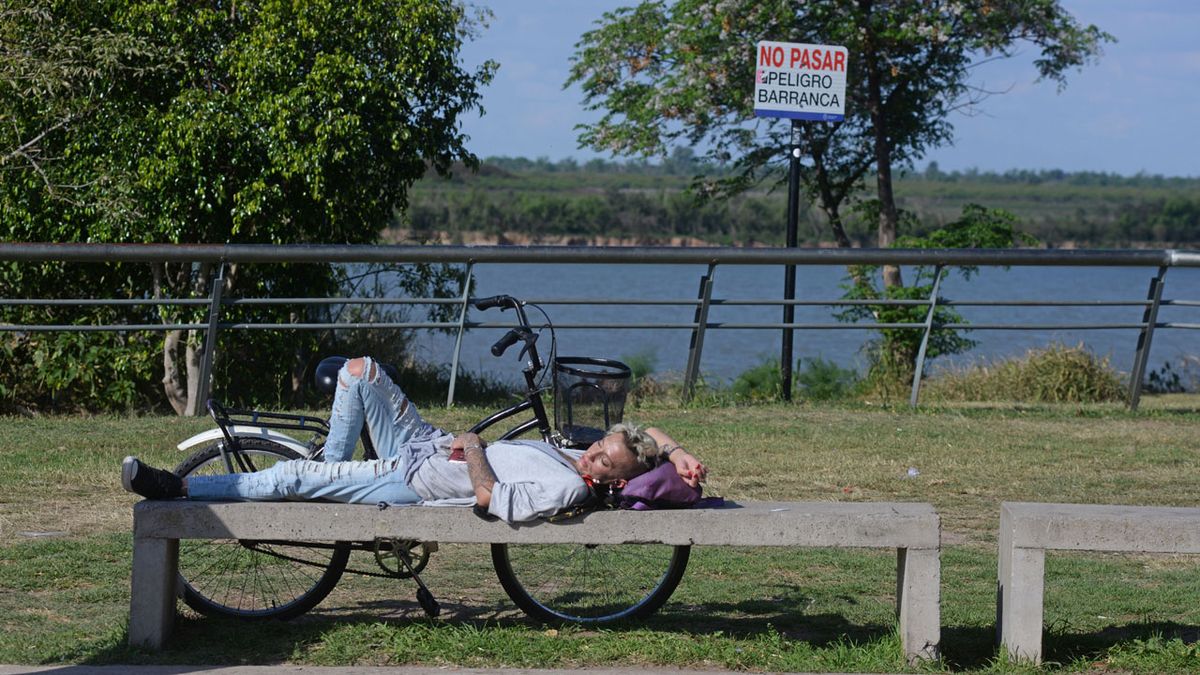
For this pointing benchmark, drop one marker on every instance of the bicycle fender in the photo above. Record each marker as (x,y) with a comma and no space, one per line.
(244,431)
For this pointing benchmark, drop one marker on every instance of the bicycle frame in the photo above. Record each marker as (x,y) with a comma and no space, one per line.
(527,425)
(533,394)
(232,429)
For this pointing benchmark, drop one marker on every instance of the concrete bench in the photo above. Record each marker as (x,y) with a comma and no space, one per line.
(1028,530)
(912,529)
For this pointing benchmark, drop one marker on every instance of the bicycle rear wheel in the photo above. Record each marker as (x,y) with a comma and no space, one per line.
(254,579)
(560,583)
(589,584)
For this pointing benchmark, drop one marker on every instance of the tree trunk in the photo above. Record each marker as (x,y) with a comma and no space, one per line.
(830,204)
(181,383)
(299,363)
(888,217)
(194,355)
(173,386)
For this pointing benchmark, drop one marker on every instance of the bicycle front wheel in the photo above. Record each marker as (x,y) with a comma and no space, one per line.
(589,584)
(254,579)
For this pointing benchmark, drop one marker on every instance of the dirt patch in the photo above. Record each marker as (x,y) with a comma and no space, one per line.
(85,512)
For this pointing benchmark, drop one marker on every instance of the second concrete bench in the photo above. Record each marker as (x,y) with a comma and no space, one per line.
(1028,530)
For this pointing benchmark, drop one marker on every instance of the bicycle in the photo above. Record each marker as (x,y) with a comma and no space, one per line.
(553,583)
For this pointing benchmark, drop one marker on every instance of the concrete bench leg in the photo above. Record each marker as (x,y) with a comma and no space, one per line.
(918,602)
(1020,587)
(152,598)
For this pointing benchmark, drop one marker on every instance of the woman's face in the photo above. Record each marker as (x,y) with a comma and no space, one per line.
(608,460)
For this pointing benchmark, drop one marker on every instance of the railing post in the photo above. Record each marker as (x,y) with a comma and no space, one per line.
(697,344)
(462,324)
(210,344)
(920,365)
(1142,354)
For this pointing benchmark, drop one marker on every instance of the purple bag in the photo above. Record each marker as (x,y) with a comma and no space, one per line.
(659,488)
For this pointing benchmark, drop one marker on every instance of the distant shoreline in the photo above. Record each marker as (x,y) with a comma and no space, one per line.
(480,238)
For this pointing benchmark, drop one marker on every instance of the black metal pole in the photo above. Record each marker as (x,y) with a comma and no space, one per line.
(789,271)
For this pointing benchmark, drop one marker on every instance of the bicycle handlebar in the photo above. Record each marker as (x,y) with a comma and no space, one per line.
(504,301)
(510,338)
(523,331)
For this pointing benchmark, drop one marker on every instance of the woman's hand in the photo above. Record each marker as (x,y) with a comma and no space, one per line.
(691,470)
(464,439)
(460,442)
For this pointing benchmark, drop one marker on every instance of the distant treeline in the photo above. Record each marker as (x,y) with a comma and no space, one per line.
(539,199)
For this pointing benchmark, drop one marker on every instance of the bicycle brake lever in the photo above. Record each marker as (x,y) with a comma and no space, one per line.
(528,339)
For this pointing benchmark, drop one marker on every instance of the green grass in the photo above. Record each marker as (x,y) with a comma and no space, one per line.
(64,598)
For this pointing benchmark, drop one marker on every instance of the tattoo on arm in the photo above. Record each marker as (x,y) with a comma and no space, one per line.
(480,472)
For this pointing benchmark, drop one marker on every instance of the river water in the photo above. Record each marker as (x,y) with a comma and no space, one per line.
(728,352)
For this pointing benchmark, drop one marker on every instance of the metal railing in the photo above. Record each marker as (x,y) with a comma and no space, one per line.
(222,255)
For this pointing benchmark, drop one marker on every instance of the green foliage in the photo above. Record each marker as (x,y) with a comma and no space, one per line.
(979,227)
(646,202)
(1084,208)
(642,365)
(75,370)
(763,382)
(256,122)
(78,371)
(821,380)
(1056,374)
(678,74)
(554,204)
(813,379)
(1155,654)
(894,352)
(1183,377)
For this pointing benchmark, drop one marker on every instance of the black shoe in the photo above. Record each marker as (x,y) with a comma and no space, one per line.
(149,482)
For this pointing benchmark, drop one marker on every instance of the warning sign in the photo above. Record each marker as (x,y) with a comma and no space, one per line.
(803,82)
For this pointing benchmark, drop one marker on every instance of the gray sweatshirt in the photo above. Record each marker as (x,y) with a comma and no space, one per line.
(533,480)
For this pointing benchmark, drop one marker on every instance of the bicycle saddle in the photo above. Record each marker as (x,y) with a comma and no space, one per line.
(326,375)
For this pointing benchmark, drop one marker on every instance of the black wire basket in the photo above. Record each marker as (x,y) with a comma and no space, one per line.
(589,397)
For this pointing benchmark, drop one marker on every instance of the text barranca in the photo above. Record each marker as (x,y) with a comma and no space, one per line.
(822,99)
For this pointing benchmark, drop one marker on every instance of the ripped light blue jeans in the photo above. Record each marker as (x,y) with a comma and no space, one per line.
(402,439)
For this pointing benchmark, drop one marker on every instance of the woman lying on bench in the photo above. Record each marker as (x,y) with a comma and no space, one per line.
(514,480)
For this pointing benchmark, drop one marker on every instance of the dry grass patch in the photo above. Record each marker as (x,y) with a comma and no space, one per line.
(1053,374)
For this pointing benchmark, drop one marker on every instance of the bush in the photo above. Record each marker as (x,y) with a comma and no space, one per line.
(763,382)
(1054,374)
(821,380)
(641,365)
(1178,379)
(75,372)
(814,379)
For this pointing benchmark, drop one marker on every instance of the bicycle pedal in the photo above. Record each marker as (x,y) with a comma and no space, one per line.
(428,602)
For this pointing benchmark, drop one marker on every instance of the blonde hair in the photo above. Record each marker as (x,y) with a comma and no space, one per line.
(641,444)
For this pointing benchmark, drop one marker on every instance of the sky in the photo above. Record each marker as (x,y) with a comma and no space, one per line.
(1135,111)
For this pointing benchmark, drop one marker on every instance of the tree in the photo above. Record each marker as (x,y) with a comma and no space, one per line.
(894,357)
(252,121)
(683,74)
